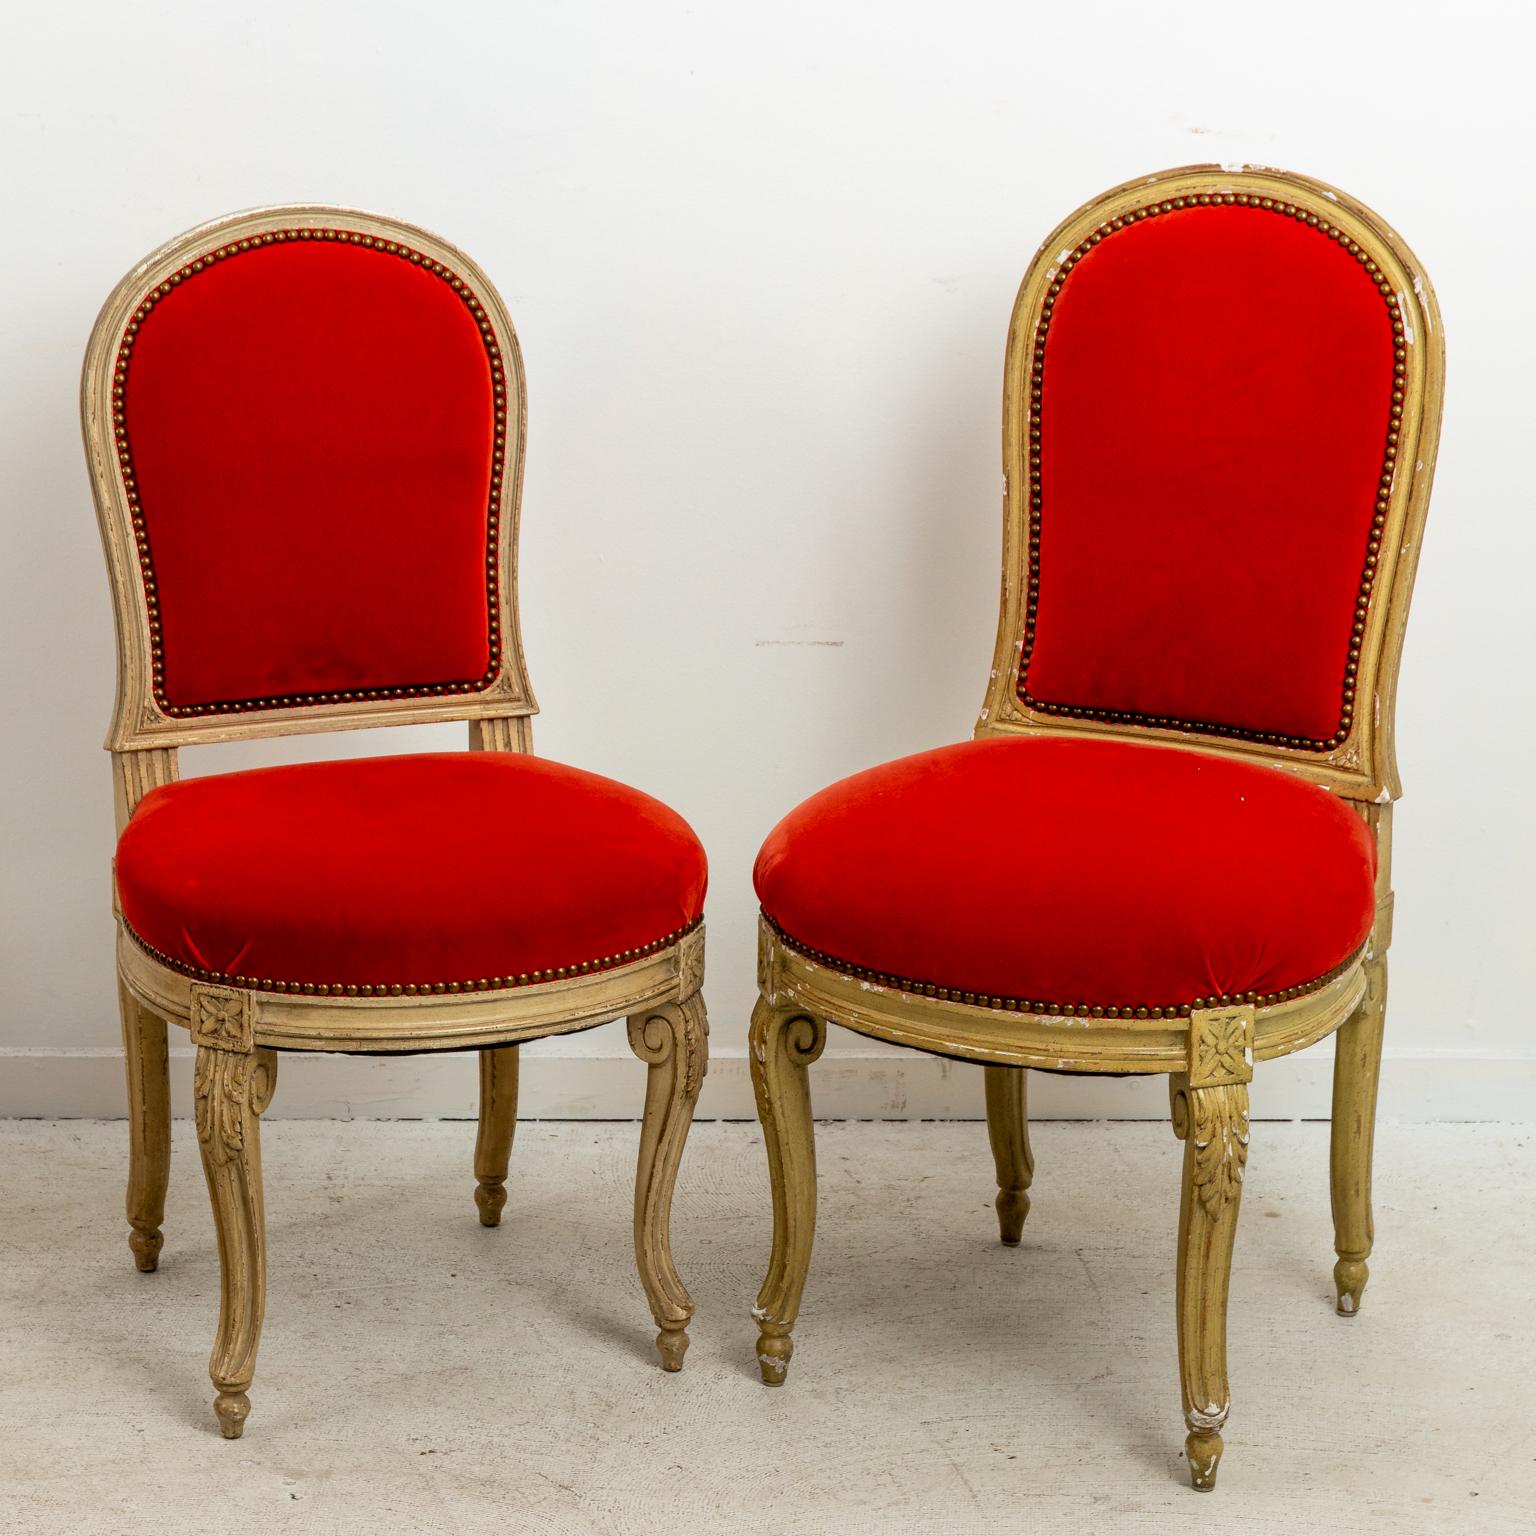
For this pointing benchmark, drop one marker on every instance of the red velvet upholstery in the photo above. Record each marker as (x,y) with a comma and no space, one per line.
(1213,425)
(311,427)
(406,872)
(1083,873)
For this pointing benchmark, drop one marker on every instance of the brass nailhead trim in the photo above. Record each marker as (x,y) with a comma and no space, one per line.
(1383,490)
(414,988)
(1050,1009)
(120,372)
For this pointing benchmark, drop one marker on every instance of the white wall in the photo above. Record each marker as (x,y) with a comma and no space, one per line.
(761,259)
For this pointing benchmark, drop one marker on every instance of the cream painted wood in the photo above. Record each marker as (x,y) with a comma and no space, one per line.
(799,996)
(1007,1091)
(237,1032)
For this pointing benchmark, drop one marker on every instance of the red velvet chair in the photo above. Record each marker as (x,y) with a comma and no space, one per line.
(1170,848)
(305,434)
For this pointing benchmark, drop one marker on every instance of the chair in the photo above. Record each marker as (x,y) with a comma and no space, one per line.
(305,434)
(1169,847)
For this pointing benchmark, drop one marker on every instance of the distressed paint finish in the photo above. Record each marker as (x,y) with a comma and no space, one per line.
(237,1032)
(1209,1056)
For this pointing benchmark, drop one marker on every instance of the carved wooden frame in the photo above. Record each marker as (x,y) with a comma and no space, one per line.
(238,1032)
(1209,1054)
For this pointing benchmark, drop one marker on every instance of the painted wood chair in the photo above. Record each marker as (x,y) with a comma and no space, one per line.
(1169,849)
(305,433)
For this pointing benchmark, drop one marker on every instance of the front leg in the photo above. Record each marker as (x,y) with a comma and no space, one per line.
(672,1039)
(1210,1116)
(232,1086)
(782,1044)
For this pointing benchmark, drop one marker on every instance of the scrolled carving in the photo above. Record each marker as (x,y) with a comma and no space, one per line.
(656,1035)
(221,1088)
(1215,1123)
(229,1086)
(690,964)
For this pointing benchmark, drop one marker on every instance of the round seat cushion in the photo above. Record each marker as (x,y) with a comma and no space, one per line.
(440,871)
(1056,874)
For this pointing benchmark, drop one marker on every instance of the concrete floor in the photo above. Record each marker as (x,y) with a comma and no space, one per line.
(422,1375)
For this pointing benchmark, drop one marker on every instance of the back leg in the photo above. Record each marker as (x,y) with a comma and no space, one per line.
(1008,1130)
(149,1127)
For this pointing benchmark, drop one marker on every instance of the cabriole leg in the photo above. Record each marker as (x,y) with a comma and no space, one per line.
(672,1039)
(498,1122)
(1008,1131)
(1210,1116)
(1356,1074)
(233,1083)
(781,1046)
(149,1127)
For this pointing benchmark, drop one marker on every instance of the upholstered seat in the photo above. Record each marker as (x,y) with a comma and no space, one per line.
(1075,875)
(435,872)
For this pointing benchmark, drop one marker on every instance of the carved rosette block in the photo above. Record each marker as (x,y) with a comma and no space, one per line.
(673,1041)
(221,1018)
(1210,1116)
(782,1045)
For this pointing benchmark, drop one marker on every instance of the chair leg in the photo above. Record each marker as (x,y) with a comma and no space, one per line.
(498,1122)
(672,1039)
(232,1089)
(1008,1131)
(782,1044)
(1356,1074)
(1213,1125)
(149,1127)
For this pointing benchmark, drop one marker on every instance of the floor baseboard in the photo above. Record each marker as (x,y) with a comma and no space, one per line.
(1416,1087)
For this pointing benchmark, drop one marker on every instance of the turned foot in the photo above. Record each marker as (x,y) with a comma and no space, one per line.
(1349,1277)
(672,1345)
(490,1197)
(773,1352)
(145,1243)
(232,1409)
(1203,1448)
(1012,1208)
